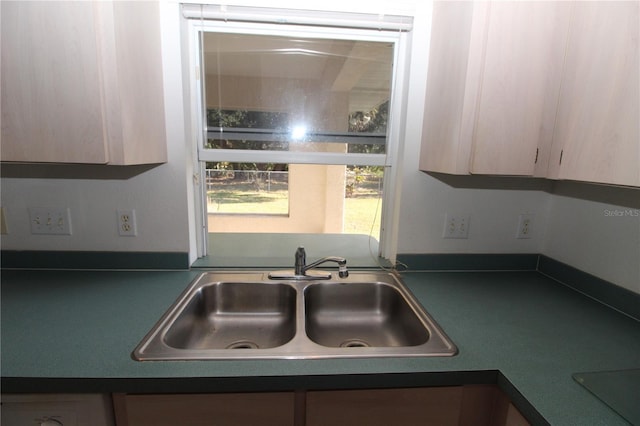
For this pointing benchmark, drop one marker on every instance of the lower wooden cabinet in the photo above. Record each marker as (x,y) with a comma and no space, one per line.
(223,409)
(422,406)
(471,405)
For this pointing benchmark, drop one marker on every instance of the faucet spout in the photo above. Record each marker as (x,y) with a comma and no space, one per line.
(341,261)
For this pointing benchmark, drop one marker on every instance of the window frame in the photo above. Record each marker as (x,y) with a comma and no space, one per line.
(395,126)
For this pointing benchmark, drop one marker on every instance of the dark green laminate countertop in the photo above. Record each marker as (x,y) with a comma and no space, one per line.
(73,331)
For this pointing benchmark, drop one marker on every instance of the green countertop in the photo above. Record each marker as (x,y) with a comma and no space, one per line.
(73,331)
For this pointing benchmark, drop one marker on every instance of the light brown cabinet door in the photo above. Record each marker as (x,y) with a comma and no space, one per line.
(51,84)
(469,405)
(596,136)
(545,89)
(492,86)
(131,58)
(229,409)
(372,407)
(82,83)
(519,86)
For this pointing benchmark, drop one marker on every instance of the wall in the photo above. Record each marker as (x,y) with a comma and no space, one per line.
(579,232)
(596,228)
(578,224)
(492,204)
(160,196)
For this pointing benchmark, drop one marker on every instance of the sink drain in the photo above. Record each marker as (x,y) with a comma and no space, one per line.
(243,344)
(354,343)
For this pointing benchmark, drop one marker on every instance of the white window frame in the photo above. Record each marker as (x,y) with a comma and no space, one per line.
(395,127)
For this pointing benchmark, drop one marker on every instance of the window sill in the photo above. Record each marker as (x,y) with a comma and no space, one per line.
(266,250)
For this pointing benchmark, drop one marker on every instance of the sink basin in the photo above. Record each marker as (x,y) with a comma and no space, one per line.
(245,315)
(226,315)
(361,315)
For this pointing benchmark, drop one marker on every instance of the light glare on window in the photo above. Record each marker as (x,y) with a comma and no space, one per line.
(298,132)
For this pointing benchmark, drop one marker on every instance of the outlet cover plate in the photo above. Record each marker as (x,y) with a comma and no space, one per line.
(525,226)
(50,220)
(127,223)
(456,226)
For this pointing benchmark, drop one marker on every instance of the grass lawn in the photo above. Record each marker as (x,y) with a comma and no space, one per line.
(246,201)
(361,214)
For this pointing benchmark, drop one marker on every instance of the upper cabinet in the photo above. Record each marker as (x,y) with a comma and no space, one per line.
(494,77)
(547,89)
(596,136)
(82,83)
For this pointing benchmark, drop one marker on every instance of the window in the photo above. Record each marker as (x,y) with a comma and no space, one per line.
(296,133)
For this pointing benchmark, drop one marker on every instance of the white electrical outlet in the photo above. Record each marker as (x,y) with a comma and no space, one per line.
(127,223)
(50,220)
(456,226)
(525,226)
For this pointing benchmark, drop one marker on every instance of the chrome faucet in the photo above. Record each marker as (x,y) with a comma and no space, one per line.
(302,270)
(301,267)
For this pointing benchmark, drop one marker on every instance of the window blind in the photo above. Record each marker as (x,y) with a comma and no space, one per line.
(226,13)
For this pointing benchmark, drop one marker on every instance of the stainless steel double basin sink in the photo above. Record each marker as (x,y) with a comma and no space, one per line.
(246,315)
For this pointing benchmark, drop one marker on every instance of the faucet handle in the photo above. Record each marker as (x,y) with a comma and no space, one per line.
(343,272)
(300,261)
(301,254)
